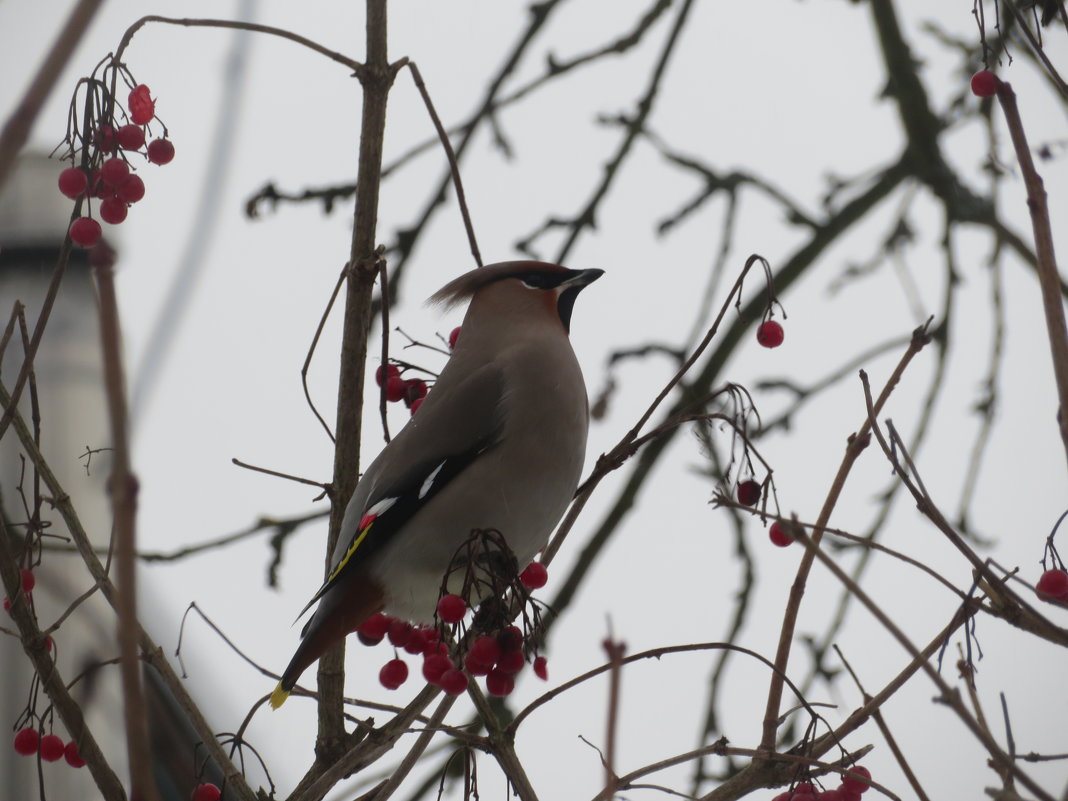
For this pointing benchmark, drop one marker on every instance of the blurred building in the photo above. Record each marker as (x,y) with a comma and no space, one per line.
(70,396)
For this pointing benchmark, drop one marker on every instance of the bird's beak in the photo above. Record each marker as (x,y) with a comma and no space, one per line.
(581,278)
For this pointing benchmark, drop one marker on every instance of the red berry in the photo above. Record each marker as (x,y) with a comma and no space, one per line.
(417,642)
(984,84)
(373,630)
(415,405)
(511,639)
(1053,583)
(848,795)
(499,683)
(28,580)
(142,106)
(451,608)
(831,795)
(541,668)
(476,668)
(7,604)
(453,682)
(534,576)
(114,171)
(778,536)
(130,137)
(485,650)
(393,674)
(432,643)
(160,151)
(396,388)
(400,633)
(70,753)
(73,182)
(130,189)
(51,748)
(435,665)
(386,372)
(852,782)
(511,662)
(105,139)
(26,741)
(113,210)
(414,390)
(207,792)
(453,336)
(748,493)
(770,334)
(85,231)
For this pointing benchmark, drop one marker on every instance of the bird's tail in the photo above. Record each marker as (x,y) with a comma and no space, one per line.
(341,611)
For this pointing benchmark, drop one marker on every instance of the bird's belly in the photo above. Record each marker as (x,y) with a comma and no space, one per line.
(523,510)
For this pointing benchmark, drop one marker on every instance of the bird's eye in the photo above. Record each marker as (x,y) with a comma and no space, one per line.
(538,281)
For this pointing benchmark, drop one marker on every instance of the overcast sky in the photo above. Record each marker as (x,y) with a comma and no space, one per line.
(783,89)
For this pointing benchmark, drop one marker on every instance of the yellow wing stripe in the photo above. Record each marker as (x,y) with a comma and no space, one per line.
(352,548)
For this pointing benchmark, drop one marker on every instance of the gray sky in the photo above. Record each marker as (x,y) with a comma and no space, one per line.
(786,90)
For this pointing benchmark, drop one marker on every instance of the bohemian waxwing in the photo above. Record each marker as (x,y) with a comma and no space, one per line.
(498,444)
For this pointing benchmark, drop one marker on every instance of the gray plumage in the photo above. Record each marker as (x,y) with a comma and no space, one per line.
(498,443)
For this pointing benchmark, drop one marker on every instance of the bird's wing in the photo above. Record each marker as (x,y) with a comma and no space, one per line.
(426,455)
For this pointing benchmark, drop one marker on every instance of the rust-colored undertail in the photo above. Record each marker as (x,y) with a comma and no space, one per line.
(341,611)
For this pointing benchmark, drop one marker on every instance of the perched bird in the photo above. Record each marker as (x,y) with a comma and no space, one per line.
(498,443)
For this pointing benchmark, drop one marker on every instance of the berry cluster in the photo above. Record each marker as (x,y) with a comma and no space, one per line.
(107,177)
(498,656)
(1053,586)
(854,783)
(410,390)
(29,741)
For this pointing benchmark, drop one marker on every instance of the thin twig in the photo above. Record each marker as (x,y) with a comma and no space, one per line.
(340,58)
(287,476)
(895,749)
(1048,277)
(383,369)
(454,168)
(401,772)
(311,351)
(615,651)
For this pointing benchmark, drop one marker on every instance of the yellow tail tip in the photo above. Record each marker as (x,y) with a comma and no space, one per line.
(279,696)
